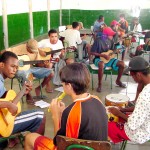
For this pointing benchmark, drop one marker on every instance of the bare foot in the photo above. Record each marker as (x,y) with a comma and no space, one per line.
(120,84)
(37,91)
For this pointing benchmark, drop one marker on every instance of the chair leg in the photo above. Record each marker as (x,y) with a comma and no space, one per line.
(92,81)
(123,145)
(40,88)
(111,78)
(21,139)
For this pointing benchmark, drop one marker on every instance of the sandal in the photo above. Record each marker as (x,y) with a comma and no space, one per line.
(49,90)
(121,85)
(29,101)
(98,89)
(13,142)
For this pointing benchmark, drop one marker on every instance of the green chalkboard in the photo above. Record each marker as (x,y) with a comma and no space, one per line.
(54,19)
(40,23)
(1,34)
(18,28)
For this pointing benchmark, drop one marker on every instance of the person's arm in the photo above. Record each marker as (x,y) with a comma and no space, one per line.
(116,111)
(78,40)
(12,108)
(56,109)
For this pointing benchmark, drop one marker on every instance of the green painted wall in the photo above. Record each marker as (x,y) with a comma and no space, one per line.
(18,24)
(88,17)
(18,28)
(1,34)
(40,23)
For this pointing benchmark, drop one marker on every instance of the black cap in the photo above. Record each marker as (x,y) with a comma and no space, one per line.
(138,63)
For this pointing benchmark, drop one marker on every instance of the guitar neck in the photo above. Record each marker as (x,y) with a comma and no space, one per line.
(53,52)
(19,95)
(32,62)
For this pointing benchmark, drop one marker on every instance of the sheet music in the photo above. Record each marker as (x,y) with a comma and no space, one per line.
(42,104)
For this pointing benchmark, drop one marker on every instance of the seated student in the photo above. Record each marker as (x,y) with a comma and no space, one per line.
(38,72)
(116,38)
(103,44)
(31,120)
(85,118)
(140,49)
(137,25)
(98,26)
(123,28)
(72,36)
(136,126)
(54,43)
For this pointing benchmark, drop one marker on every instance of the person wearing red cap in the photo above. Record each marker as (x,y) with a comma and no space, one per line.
(103,44)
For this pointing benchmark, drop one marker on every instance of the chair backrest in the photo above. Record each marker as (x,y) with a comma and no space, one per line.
(61,28)
(64,142)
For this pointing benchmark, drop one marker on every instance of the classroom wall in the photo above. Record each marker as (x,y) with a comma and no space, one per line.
(73,10)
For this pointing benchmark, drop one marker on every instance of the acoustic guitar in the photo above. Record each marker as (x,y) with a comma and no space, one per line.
(24,62)
(6,118)
(111,54)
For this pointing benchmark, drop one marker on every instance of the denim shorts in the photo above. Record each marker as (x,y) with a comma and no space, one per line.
(112,63)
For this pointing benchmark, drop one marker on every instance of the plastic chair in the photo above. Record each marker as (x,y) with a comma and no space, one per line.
(78,146)
(147,50)
(66,143)
(108,71)
(19,135)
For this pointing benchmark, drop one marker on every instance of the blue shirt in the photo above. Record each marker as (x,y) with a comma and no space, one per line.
(2,87)
(97,26)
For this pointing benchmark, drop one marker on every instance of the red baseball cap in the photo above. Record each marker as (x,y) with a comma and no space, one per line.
(114,22)
(108,31)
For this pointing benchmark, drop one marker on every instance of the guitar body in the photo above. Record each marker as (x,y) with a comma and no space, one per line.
(109,53)
(21,59)
(46,49)
(7,128)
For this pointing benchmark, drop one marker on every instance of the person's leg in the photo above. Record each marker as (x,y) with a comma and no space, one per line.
(100,66)
(31,120)
(37,142)
(100,75)
(116,132)
(41,73)
(121,66)
(30,140)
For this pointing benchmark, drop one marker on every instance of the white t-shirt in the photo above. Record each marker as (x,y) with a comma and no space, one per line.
(137,28)
(137,127)
(72,36)
(46,43)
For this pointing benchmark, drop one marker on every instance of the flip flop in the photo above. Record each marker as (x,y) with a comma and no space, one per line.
(13,142)
(98,89)
(29,101)
(49,91)
(121,85)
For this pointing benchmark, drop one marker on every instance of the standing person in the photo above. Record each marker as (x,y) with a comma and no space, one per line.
(31,120)
(123,25)
(98,26)
(38,72)
(136,126)
(76,119)
(103,44)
